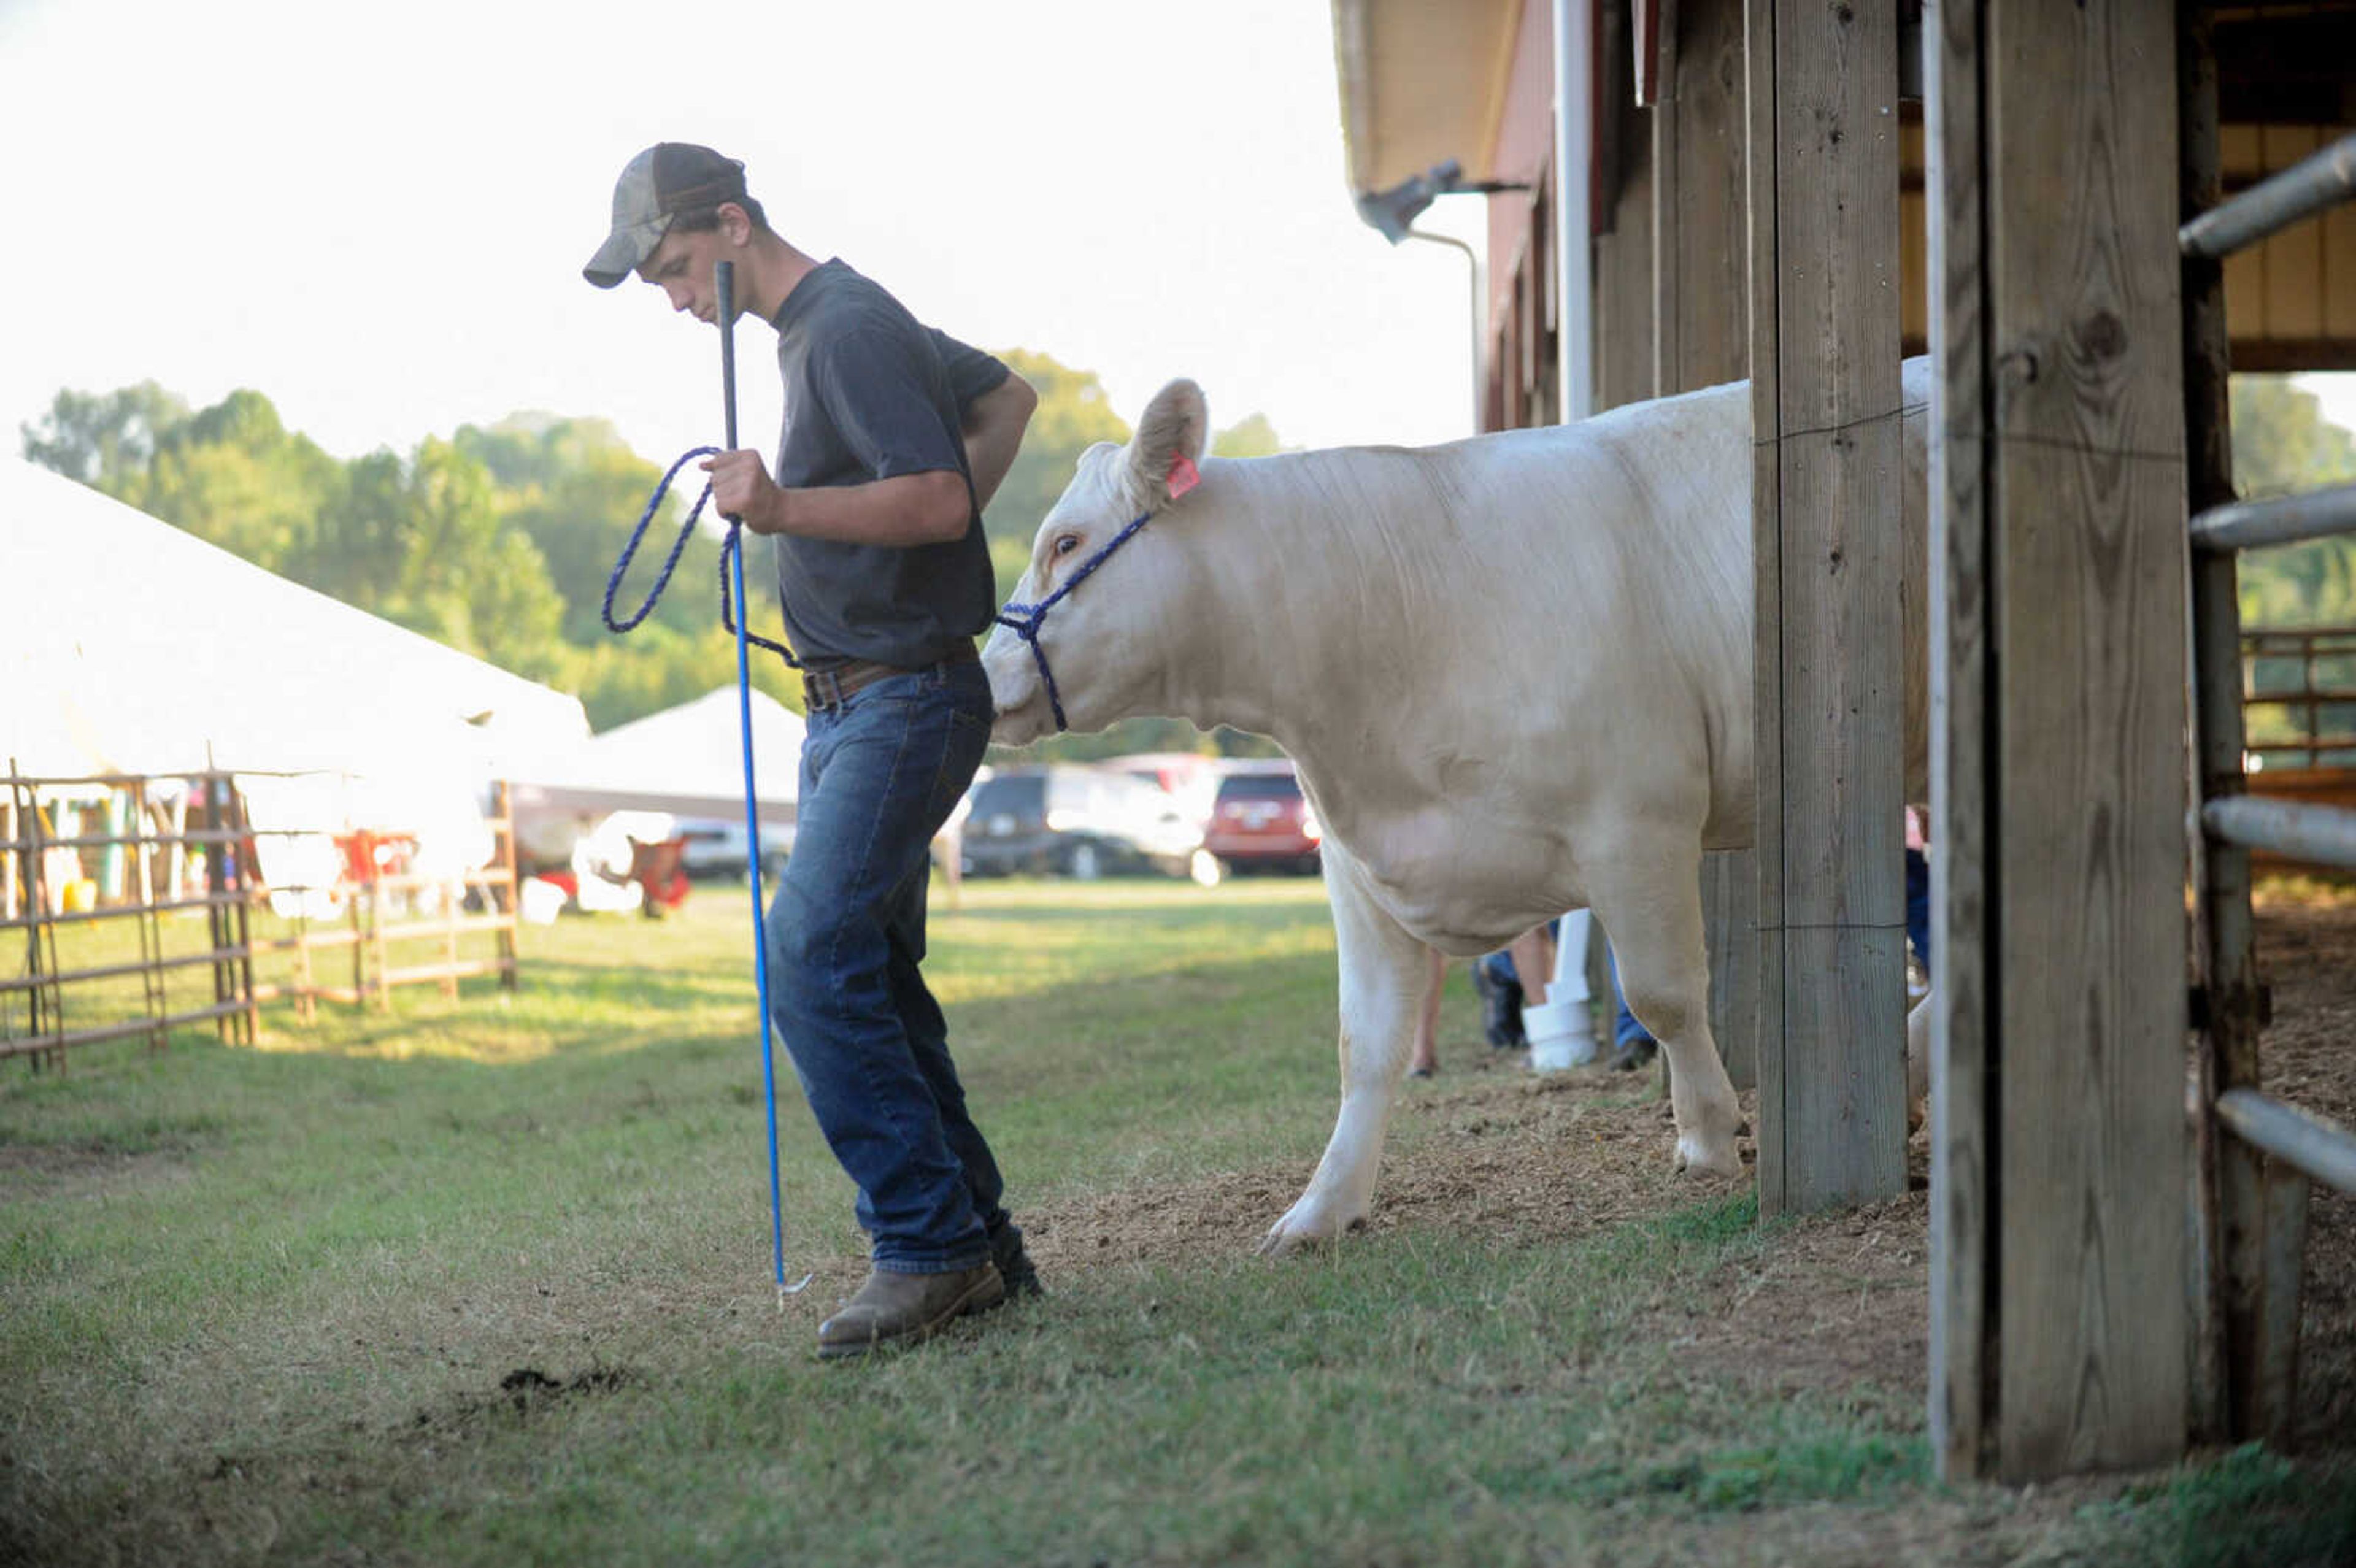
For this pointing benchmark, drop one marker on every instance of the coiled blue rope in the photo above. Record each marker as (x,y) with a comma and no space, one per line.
(730,548)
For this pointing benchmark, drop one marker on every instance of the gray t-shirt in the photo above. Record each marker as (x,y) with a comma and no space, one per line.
(871,394)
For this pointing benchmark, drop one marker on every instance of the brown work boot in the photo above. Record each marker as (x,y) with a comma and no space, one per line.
(906,1308)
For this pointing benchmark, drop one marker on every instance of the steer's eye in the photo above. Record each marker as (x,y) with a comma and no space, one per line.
(1067,543)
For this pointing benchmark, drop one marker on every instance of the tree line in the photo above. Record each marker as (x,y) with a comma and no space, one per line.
(499,540)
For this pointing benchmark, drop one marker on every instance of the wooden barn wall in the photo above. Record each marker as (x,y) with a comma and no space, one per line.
(2290,301)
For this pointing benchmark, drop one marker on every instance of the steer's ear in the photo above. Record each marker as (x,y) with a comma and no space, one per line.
(1169,442)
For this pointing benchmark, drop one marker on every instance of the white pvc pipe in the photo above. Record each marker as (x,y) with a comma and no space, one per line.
(1562,1030)
(1574,39)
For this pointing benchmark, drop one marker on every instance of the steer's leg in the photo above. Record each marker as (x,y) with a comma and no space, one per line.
(1648,896)
(1384,978)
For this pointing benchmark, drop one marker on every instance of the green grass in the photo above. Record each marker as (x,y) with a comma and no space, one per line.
(2245,1509)
(276,1303)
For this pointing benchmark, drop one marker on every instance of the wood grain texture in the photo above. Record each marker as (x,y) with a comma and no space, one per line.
(1729,915)
(1836,171)
(1625,288)
(1701,339)
(1705,337)
(1822,107)
(2086,558)
(1844,1014)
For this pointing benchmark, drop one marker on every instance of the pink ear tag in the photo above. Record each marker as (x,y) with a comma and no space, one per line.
(1183,476)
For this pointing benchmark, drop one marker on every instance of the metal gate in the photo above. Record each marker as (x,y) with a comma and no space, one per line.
(2258,1155)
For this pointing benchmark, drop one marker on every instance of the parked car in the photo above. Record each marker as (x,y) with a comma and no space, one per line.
(1262,821)
(1189,775)
(715,847)
(1082,822)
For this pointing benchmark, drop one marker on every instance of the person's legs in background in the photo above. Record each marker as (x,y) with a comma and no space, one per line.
(1533,959)
(1918,908)
(1501,1001)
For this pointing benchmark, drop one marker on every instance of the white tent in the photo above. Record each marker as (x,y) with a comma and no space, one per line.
(127,645)
(687,760)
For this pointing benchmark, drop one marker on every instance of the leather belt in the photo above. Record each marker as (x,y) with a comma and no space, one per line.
(834,686)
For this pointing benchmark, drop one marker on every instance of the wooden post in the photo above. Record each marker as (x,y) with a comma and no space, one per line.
(2059,1145)
(506,894)
(48,1009)
(175,860)
(8,861)
(217,885)
(245,860)
(1829,714)
(306,984)
(151,924)
(1700,338)
(382,988)
(453,911)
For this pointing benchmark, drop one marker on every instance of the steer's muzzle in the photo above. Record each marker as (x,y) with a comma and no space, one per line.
(1022,714)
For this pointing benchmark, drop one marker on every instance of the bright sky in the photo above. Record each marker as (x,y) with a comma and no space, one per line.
(377,215)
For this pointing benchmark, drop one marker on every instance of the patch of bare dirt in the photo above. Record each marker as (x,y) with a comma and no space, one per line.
(92,1164)
(1498,1153)
(1838,1301)
(2307,954)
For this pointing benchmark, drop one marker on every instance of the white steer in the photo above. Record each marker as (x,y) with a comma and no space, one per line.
(1514,672)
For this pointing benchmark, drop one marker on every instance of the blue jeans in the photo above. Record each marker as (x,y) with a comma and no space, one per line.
(1918,906)
(880,774)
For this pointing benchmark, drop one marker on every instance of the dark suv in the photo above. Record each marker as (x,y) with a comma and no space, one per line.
(1260,820)
(1078,822)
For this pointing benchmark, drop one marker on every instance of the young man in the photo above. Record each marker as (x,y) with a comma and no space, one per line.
(894,438)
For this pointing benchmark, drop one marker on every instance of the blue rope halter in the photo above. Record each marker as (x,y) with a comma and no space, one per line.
(1024,620)
(730,547)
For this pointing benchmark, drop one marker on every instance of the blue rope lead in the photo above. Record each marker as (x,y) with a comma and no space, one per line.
(732,590)
(760,919)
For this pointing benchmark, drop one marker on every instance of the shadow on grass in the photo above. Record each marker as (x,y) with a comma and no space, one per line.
(2248,1509)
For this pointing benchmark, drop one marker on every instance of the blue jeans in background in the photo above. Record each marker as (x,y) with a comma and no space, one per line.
(880,774)
(1918,907)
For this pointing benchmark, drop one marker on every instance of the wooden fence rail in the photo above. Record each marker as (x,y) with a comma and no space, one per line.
(183,844)
(2304,677)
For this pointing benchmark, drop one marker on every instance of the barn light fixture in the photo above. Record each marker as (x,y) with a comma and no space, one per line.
(1390,212)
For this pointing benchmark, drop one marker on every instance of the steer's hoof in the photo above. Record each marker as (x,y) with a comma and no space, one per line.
(1696,1158)
(1305,1226)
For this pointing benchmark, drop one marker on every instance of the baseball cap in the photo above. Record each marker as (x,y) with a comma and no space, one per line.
(658,185)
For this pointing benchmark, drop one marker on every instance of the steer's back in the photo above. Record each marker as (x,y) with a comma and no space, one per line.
(1636,532)
(1621,551)
(1582,612)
